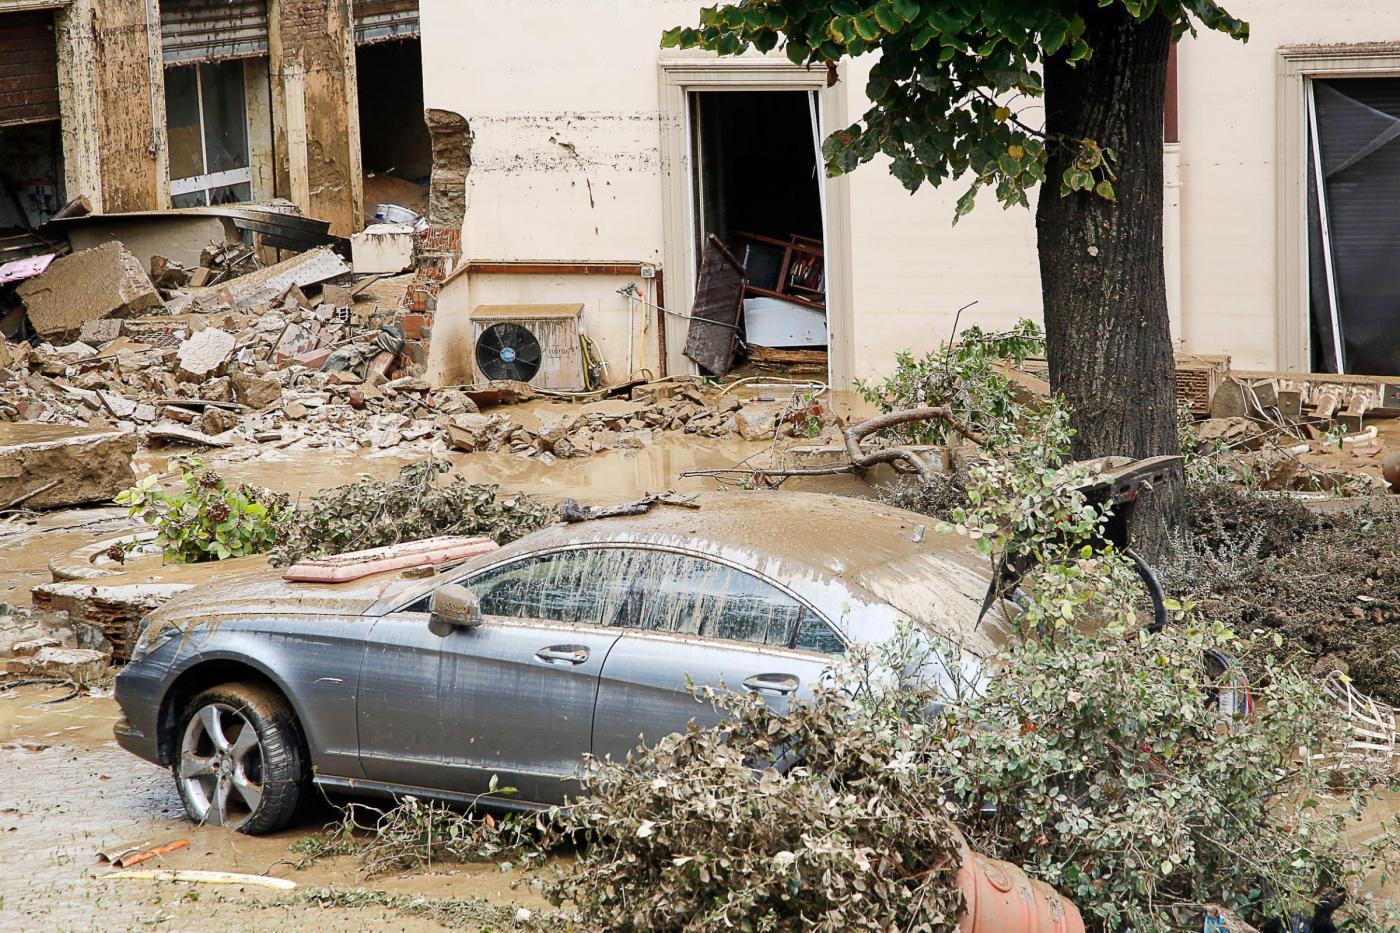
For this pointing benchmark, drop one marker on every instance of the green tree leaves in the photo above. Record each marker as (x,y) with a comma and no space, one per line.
(952,81)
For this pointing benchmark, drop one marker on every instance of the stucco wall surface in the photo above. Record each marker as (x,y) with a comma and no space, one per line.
(563,103)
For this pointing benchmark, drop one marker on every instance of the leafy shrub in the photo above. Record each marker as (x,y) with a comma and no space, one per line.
(374,513)
(208,519)
(962,375)
(701,832)
(1100,765)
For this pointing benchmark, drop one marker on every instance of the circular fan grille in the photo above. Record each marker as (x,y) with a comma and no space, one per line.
(508,351)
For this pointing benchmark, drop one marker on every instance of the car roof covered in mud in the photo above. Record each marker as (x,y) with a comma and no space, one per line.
(828,549)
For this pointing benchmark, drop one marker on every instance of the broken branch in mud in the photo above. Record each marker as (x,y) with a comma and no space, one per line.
(861,458)
(570,511)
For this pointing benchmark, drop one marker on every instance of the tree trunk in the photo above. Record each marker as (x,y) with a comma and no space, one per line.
(1104,288)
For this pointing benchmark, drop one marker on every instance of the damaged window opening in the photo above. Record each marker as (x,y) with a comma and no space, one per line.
(758,189)
(1353,187)
(207,121)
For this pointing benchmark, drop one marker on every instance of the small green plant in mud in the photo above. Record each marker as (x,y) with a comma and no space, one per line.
(964,375)
(208,519)
(413,505)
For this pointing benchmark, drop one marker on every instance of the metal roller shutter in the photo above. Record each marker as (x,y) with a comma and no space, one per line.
(28,69)
(212,30)
(384,20)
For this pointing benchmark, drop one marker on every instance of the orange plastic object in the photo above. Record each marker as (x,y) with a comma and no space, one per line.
(1001,898)
(357,564)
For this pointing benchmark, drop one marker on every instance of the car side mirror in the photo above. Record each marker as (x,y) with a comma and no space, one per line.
(453,607)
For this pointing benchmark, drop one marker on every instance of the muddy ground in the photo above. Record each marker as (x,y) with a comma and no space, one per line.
(68,792)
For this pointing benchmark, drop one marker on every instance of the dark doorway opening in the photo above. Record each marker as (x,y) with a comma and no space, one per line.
(31,175)
(395,149)
(757,191)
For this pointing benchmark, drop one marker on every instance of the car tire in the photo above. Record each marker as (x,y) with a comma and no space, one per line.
(239,760)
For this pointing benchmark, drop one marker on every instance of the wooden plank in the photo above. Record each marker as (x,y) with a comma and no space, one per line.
(714,324)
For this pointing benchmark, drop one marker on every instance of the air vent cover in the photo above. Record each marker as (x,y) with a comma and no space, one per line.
(533,343)
(508,351)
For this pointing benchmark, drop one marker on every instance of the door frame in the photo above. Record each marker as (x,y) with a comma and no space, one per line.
(682,73)
(1297,67)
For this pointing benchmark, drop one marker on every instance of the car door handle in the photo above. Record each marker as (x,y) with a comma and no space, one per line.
(563,654)
(772,683)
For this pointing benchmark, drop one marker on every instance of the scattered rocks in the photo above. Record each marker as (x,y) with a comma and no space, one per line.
(205,354)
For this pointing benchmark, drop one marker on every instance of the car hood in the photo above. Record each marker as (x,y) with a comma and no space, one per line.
(265,593)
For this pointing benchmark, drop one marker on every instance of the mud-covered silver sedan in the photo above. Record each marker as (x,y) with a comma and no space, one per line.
(583,641)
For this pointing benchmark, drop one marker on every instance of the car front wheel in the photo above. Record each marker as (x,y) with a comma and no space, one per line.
(240,763)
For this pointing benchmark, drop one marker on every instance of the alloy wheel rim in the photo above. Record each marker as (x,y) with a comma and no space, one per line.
(221,766)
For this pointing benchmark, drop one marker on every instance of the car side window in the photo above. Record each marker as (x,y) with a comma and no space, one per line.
(583,587)
(694,596)
(815,634)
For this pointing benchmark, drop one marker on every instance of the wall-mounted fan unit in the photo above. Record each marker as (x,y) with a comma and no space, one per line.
(538,344)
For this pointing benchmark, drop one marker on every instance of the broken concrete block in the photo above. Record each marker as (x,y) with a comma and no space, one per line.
(115,610)
(172,434)
(25,649)
(79,665)
(269,285)
(756,422)
(204,354)
(106,281)
(90,465)
(96,333)
(383,249)
(257,392)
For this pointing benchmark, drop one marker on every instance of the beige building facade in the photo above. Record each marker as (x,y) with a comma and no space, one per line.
(142,105)
(591,169)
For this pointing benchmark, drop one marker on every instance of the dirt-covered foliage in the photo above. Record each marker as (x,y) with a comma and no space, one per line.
(965,375)
(415,835)
(413,505)
(1100,765)
(1329,583)
(821,819)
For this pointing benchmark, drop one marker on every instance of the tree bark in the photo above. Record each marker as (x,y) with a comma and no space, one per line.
(1102,278)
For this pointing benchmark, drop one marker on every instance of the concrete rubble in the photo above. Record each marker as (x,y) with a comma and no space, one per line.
(94,284)
(49,465)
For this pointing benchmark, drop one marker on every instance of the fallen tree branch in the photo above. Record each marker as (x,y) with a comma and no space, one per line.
(862,460)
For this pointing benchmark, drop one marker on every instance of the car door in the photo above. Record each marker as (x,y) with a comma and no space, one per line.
(511,698)
(694,618)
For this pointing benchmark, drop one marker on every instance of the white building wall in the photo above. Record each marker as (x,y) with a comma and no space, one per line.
(563,100)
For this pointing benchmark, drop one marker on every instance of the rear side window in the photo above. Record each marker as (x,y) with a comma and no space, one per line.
(693,596)
(815,635)
(585,587)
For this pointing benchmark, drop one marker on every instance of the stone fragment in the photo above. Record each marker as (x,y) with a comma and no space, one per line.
(102,282)
(257,392)
(80,665)
(172,434)
(756,422)
(96,333)
(384,249)
(218,421)
(205,354)
(25,649)
(294,410)
(91,464)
